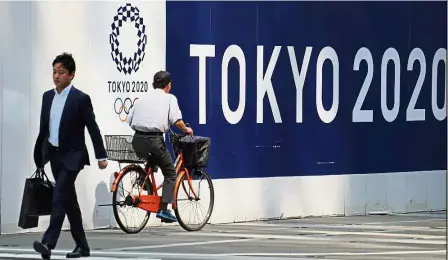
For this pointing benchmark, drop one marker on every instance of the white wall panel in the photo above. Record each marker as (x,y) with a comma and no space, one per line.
(355,201)
(16,117)
(324,195)
(37,32)
(2,16)
(396,199)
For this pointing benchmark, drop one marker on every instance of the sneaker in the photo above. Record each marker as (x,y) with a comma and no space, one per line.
(166,216)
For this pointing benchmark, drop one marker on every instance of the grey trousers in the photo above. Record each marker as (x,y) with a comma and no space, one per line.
(143,145)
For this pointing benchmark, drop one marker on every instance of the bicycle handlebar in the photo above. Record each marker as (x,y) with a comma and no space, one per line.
(172,133)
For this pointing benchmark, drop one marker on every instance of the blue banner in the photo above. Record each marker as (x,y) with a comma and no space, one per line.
(312,88)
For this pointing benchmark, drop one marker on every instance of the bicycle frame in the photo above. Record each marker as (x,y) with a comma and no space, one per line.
(151,203)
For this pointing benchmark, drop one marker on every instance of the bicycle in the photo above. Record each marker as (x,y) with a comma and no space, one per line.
(119,149)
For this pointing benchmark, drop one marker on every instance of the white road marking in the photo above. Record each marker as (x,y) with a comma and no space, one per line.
(323,245)
(135,255)
(296,237)
(382,234)
(105,253)
(37,256)
(379,232)
(92,253)
(101,255)
(406,221)
(423,214)
(339,226)
(340,253)
(183,244)
(229,256)
(313,242)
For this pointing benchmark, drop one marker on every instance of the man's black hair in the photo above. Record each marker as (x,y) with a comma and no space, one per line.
(161,79)
(67,61)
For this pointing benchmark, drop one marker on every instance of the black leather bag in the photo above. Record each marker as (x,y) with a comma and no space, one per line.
(36,200)
(196,150)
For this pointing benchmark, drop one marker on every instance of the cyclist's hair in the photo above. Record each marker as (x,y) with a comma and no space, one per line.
(67,61)
(161,79)
(159,84)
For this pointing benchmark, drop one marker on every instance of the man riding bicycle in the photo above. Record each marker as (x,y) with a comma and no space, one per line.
(150,118)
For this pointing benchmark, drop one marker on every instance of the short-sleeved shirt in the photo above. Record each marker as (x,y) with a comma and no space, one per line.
(154,112)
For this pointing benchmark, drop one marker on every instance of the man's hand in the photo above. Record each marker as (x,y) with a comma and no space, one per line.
(184,127)
(102,164)
(189,131)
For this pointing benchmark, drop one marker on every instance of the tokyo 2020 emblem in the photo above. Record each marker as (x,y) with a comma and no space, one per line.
(122,108)
(127,65)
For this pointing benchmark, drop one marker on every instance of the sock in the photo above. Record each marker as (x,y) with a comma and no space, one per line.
(163,206)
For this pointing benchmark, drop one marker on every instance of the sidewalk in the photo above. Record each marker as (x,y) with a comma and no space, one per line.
(411,236)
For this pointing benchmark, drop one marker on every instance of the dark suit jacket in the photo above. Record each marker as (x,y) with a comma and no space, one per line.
(77,114)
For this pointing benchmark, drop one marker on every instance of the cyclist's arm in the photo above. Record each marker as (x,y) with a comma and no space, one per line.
(175,115)
(181,125)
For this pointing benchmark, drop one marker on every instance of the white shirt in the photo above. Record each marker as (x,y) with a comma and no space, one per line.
(57,106)
(154,112)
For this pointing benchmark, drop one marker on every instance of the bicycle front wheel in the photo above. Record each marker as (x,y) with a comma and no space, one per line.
(192,196)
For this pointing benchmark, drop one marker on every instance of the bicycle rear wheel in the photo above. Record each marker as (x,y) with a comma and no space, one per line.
(185,192)
(122,197)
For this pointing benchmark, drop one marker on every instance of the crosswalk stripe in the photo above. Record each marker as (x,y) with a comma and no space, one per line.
(380,234)
(341,253)
(322,238)
(179,244)
(37,256)
(339,226)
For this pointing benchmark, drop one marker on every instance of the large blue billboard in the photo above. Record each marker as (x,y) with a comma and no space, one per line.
(312,88)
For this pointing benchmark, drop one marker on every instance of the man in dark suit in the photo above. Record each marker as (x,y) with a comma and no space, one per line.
(65,113)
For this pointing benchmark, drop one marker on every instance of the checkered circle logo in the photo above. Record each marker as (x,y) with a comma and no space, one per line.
(128,13)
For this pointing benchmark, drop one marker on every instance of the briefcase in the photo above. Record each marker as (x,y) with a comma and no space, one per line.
(36,200)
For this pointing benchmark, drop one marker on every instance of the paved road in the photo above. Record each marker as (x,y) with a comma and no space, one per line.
(411,236)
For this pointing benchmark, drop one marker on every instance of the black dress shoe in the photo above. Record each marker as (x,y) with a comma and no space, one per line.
(79,252)
(43,249)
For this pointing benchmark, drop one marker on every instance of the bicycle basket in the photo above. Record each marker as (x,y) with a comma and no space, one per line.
(119,148)
(195,149)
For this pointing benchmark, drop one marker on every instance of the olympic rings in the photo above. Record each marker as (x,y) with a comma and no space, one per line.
(125,107)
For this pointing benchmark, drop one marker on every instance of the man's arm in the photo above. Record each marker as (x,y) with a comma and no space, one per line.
(181,125)
(92,127)
(175,116)
(39,151)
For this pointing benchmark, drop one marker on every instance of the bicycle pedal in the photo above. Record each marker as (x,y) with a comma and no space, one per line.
(166,221)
